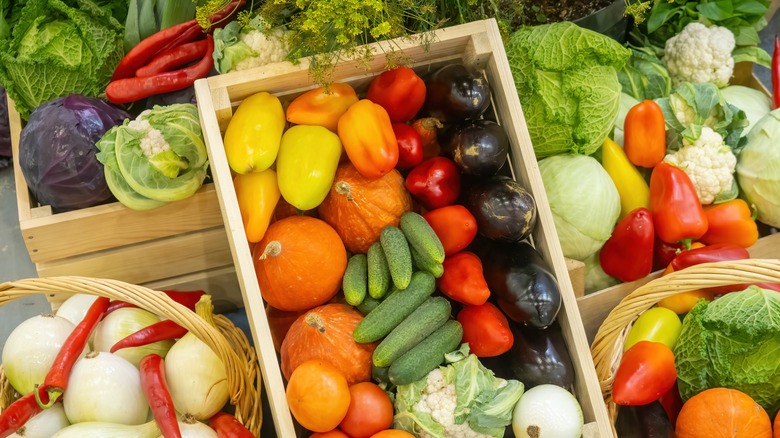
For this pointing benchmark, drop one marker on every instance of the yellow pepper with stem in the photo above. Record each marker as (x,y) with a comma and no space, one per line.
(257,194)
(632,187)
(254,133)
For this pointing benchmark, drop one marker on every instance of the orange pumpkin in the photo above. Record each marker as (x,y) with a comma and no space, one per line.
(318,396)
(392,433)
(722,412)
(299,263)
(325,333)
(358,207)
(777,425)
(279,322)
(335,433)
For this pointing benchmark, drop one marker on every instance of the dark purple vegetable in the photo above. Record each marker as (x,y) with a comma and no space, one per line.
(57,151)
(5,129)
(540,356)
(504,210)
(479,148)
(453,94)
(646,421)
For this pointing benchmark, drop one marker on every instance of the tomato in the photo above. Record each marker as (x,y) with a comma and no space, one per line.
(486,330)
(370,411)
(658,324)
(335,433)
(645,373)
(455,226)
(392,433)
(410,147)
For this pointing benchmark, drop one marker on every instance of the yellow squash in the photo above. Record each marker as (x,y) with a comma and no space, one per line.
(306,166)
(632,187)
(257,193)
(254,133)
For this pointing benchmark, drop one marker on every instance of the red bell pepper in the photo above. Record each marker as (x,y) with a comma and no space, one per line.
(730,222)
(410,150)
(776,74)
(155,387)
(646,372)
(486,330)
(367,134)
(322,106)
(399,91)
(677,212)
(454,225)
(463,279)
(435,182)
(628,253)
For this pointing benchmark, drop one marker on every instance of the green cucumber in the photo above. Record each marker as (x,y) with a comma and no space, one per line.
(431,315)
(395,308)
(427,355)
(378,272)
(421,236)
(423,263)
(368,305)
(355,283)
(399,259)
(379,374)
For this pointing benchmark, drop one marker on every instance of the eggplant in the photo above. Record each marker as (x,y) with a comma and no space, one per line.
(479,148)
(539,357)
(504,210)
(646,421)
(520,280)
(454,94)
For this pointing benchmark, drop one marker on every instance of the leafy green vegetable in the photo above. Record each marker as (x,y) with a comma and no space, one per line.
(595,277)
(758,169)
(733,342)
(645,76)
(146,17)
(56,50)
(567,82)
(755,103)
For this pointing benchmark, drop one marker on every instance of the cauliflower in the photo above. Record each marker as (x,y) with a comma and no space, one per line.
(268,48)
(708,162)
(254,45)
(153,142)
(700,54)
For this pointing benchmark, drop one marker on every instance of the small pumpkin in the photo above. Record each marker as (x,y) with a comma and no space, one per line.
(722,412)
(318,396)
(325,333)
(299,263)
(279,321)
(358,207)
(777,425)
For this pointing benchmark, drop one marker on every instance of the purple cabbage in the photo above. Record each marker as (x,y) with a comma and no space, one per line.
(5,129)
(57,151)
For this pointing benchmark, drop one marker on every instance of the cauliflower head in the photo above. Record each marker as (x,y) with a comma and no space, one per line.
(268,47)
(700,54)
(709,163)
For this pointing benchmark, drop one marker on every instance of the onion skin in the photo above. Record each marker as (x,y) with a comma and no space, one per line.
(123,322)
(45,424)
(109,430)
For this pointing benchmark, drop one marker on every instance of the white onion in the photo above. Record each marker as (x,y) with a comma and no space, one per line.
(197,379)
(547,411)
(109,430)
(44,424)
(192,428)
(75,307)
(123,322)
(31,348)
(103,387)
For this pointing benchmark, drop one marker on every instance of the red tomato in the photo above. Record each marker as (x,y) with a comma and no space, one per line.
(370,411)
(486,330)
(646,372)
(399,91)
(454,225)
(410,148)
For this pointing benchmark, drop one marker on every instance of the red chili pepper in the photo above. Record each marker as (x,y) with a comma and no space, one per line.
(776,74)
(160,331)
(399,91)
(149,47)
(711,253)
(155,387)
(677,212)
(187,299)
(176,57)
(227,426)
(463,279)
(486,330)
(435,182)
(410,151)
(56,381)
(628,253)
(19,413)
(132,89)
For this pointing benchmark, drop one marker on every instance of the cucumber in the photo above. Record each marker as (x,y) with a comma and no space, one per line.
(421,236)
(395,308)
(379,374)
(423,263)
(399,259)
(355,282)
(427,355)
(367,305)
(431,315)
(378,272)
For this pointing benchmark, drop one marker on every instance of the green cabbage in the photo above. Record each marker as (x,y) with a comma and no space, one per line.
(584,201)
(595,277)
(758,169)
(732,342)
(59,48)
(645,76)
(756,104)
(566,77)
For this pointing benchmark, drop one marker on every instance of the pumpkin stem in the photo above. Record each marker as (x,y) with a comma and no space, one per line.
(343,188)
(315,321)
(273,249)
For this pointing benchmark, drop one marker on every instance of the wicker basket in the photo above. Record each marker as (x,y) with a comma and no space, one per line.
(230,343)
(607,348)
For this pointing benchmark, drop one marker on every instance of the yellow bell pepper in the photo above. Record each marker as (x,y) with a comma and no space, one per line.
(632,187)
(254,133)
(306,165)
(257,193)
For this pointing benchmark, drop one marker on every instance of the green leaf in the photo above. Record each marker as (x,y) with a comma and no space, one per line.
(132,33)
(752,54)
(747,36)
(716,11)
(147,22)
(727,195)
(751,7)
(662,13)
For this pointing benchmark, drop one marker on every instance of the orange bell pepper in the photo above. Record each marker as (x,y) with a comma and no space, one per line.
(257,194)
(322,107)
(644,139)
(730,222)
(367,135)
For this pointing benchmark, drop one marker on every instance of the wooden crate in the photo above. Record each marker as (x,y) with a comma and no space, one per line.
(476,44)
(114,241)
